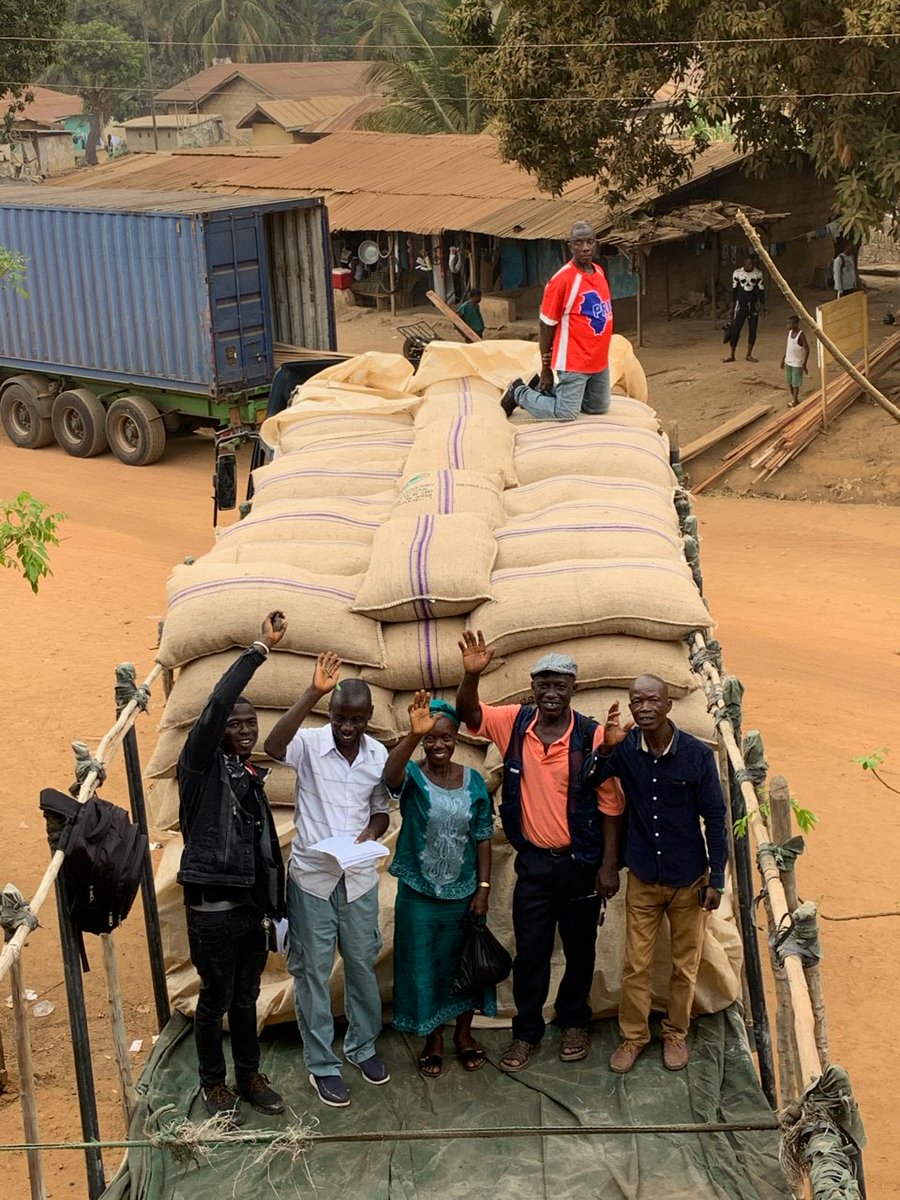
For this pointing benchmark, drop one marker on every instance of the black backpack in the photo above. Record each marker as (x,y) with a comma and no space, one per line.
(105,854)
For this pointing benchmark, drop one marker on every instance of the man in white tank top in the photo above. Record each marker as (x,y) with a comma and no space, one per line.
(796,354)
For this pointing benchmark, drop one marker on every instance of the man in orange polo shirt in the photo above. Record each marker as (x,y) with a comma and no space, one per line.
(566,839)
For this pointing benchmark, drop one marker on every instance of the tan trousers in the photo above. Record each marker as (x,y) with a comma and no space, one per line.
(645,906)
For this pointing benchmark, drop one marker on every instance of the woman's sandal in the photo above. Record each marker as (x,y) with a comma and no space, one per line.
(431,1065)
(472,1059)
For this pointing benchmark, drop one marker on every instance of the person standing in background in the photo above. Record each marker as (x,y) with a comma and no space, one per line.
(794,360)
(748,294)
(843,272)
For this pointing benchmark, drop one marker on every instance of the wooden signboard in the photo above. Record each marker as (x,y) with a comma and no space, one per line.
(846,322)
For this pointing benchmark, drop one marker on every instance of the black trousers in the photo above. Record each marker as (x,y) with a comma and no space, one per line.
(229,950)
(552,892)
(743,313)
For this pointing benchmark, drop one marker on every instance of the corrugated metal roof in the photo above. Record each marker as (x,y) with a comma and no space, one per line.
(47,106)
(419,184)
(171,121)
(175,202)
(285,81)
(316,114)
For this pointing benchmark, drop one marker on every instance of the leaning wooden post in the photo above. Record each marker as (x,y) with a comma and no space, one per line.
(117,1024)
(854,373)
(26,1082)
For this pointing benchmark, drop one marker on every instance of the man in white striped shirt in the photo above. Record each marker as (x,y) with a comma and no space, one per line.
(575,331)
(340,790)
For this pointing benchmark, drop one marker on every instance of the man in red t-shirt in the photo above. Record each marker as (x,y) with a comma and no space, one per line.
(575,331)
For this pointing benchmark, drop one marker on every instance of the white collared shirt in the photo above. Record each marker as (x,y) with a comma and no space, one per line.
(333,797)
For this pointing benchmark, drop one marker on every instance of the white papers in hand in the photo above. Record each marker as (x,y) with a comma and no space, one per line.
(349,853)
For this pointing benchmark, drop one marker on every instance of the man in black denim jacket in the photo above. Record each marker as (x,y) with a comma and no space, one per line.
(233,879)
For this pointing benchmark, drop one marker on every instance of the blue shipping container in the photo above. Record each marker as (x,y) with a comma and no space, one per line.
(163,290)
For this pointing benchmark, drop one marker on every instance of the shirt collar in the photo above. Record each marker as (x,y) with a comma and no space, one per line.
(672,744)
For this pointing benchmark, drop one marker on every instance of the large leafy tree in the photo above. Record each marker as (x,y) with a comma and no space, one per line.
(30,29)
(247,30)
(574,88)
(106,66)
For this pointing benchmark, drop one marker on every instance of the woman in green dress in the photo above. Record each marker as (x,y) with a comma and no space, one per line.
(443,866)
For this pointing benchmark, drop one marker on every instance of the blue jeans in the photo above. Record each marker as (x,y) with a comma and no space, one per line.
(317,928)
(575,393)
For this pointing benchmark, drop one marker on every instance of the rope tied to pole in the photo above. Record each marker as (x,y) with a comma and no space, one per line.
(710,653)
(822,1134)
(786,854)
(798,934)
(755,766)
(14,912)
(127,688)
(85,763)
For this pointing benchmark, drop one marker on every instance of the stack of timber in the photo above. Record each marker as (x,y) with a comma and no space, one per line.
(782,438)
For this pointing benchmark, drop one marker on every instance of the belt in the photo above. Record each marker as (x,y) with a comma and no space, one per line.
(553,851)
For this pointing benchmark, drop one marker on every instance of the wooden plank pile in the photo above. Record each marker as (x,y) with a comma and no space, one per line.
(785,436)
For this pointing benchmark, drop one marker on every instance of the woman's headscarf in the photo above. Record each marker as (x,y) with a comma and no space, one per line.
(442,709)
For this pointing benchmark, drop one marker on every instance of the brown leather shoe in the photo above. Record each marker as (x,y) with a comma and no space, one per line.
(517,1056)
(675,1053)
(574,1044)
(625,1056)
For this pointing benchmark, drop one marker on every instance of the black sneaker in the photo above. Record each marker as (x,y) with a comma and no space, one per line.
(260,1095)
(221,1101)
(508,399)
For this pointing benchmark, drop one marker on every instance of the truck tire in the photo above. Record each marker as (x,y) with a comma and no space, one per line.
(22,416)
(79,423)
(135,429)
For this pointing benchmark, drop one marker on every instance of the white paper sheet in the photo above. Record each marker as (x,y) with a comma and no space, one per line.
(350,853)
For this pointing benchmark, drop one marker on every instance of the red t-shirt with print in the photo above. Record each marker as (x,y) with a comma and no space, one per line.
(579,305)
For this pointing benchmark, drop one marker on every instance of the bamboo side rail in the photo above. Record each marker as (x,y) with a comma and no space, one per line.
(810,1068)
(106,751)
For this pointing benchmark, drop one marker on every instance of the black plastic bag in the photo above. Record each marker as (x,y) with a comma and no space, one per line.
(483,961)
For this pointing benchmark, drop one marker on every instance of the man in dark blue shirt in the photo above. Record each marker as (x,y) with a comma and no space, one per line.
(671,783)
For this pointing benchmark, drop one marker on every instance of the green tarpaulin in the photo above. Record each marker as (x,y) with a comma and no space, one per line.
(720,1085)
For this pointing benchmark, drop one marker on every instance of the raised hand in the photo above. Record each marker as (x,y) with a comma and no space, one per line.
(421,719)
(476,656)
(273,628)
(613,732)
(327,671)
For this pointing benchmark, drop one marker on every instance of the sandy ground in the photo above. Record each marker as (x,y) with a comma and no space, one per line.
(807,600)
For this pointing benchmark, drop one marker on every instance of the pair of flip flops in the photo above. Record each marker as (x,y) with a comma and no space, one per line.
(430,1066)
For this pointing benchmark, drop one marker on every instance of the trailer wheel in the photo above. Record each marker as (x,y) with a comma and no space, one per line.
(22,416)
(137,435)
(79,423)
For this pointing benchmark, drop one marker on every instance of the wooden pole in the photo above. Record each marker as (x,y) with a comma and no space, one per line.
(823,385)
(732,857)
(668,314)
(456,320)
(809,1064)
(473,264)
(712,279)
(106,750)
(392,278)
(26,1083)
(801,312)
(4,1074)
(117,1024)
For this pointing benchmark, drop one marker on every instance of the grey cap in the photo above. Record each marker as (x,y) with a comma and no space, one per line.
(559,664)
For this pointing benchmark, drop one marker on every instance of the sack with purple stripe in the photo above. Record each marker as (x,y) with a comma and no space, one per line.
(584,448)
(421,654)
(334,518)
(445,492)
(585,531)
(214,606)
(426,567)
(352,472)
(465,441)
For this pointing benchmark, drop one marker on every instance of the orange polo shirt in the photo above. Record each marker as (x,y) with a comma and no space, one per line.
(545,777)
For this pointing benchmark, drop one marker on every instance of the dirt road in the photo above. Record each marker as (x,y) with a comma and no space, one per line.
(807,598)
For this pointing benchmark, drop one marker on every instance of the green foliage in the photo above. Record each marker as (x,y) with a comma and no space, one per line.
(805,817)
(872,760)
(573,86)
(26,530)
(13,269)
(244,30)
(27,49)
(104,63)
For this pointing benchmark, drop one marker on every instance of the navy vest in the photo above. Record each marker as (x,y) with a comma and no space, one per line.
(585,826)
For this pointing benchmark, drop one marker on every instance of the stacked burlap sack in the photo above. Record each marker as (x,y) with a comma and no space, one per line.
(400,509)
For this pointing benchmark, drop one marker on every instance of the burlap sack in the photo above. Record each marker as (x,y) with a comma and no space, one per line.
(289,477)
(465,398)
(323,439)
(464,443)
(427,567)
(338,557)
(623,410)
(595,535)
(324,402)
(639,597)
(375,369)
(626,375)
(451,492)
(214,606)
(420,654)
(164,758)
(579,448)
(610,661)
(344,518)
(537,498)
(494,362)
(278,683)
(162,795)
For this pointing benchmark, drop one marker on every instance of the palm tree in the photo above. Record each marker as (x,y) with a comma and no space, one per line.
(242,30)
(401,28)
